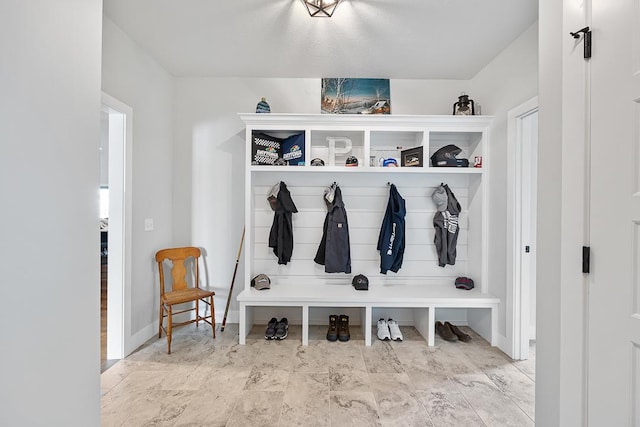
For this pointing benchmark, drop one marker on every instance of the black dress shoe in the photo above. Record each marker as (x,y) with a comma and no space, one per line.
(332,333)
(445,331)
(461,335)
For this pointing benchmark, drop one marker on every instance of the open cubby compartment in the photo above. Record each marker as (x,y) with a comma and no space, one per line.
(390,144)
(335,146)
(269,145)
(469,142)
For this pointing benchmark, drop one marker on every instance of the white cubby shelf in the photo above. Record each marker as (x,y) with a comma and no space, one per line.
(421,292)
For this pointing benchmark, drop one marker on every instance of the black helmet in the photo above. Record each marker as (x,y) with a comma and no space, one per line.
(446,156)
(352,161)
(317,162)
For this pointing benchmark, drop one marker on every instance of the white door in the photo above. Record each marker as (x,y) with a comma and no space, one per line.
(613,390)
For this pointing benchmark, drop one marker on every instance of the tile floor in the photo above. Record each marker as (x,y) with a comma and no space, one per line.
(207,382)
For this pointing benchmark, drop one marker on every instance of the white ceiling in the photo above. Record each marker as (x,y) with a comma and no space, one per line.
(425,39)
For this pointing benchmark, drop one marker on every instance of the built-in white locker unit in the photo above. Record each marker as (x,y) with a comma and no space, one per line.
(303,286)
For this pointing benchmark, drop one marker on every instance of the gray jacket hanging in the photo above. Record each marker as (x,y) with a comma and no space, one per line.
(334,251)
(445,222)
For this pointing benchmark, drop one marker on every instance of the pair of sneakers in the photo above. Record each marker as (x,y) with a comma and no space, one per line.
(277,330)
(389,330)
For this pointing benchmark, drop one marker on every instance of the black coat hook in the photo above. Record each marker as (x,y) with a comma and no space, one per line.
(587,40)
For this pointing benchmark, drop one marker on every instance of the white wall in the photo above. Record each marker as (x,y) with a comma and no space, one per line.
(209,155)
(49,239)
(549,345)
(104,149)
(133,77)
(508,81)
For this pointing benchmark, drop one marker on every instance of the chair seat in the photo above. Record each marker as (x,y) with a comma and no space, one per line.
(185,295)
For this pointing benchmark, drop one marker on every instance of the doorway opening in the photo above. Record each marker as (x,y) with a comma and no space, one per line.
(115,251)
(522,172)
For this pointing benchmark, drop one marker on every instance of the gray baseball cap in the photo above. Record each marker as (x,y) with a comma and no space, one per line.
(440,198)
(261,281)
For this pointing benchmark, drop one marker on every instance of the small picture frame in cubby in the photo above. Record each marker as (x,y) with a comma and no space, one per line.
(412,157)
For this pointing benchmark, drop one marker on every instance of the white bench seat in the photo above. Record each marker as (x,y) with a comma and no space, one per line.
(423,299)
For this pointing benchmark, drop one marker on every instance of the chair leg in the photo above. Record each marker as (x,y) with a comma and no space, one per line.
(160,321)
(213,317)
(197,314)
(169,330)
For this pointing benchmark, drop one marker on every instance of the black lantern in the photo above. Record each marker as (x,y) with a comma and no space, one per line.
(464,106)
(321,8)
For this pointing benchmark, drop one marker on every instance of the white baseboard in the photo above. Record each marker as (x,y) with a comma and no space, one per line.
(140,337)
(502,344)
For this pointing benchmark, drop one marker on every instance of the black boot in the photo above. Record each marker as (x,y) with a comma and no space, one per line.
(343,328)
(332,333)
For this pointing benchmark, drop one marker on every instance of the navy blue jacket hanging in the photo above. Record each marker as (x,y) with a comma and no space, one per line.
(446,225)
(391,241)
(281,234)
(334,251)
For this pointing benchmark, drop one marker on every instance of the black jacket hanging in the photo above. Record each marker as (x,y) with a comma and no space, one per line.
(391,241)
(334,251)
(446,224)
(281,234)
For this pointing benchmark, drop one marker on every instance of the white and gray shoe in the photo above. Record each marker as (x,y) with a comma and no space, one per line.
(394,330)
(383,330)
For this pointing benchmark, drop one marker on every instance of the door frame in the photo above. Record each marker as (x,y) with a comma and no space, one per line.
(120,226)
(518,296)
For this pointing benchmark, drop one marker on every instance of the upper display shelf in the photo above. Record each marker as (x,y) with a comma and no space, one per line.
(437,144)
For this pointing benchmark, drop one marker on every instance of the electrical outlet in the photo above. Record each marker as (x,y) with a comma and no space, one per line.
(148,224)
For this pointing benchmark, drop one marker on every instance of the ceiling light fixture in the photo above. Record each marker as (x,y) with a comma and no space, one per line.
(321,8)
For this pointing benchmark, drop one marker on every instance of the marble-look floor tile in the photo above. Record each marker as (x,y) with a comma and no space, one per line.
(235,357)
(116,373)
(354,408)
(528,366)
(491,405)
(401,409)
(257,408)
(446,406)
(231,381)
(516,385)
(267,380)
(390,382)
(160,408)
(208,409)
(452,360)
(306,401)
(203,381)
(185,378)
(275,355)
(311,358)
(381,358)
(348,380)
(345,357)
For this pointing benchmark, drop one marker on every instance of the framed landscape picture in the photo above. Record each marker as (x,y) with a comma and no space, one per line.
(355,96)
(411,157)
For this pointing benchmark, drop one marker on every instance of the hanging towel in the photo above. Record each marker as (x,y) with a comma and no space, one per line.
(445,222)
(391,241)
(334,251)
(281,234)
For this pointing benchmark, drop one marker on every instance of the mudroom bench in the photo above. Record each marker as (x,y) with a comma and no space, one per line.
(308,153)
(423,300)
